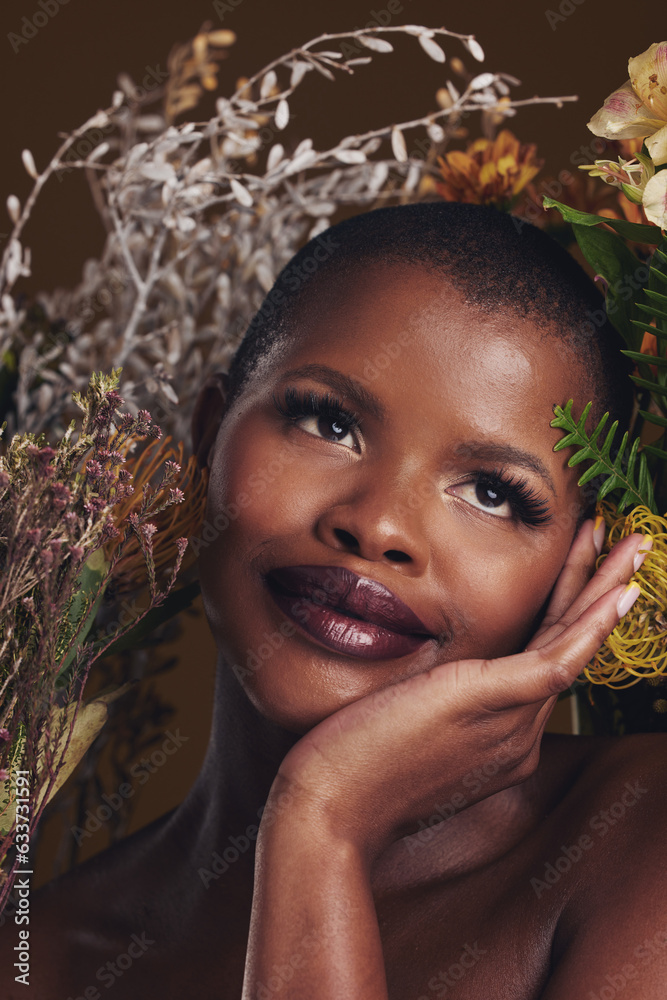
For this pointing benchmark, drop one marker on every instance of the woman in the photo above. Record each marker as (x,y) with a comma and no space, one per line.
(402,582)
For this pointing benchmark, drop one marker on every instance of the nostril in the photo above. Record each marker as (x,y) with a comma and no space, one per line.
(346,538)
(395,555)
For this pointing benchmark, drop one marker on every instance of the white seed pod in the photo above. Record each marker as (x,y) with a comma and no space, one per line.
(350,156)
(269,81)
(324,70)
(481,81)
(13,207)
(418,30)
(432,49)
(29,163)
(282,114)
(303,146)
(435,132)
(299,70)
(376,44)
(330,54)
(454,94)
(240,192)
(398,146)
(474,48)
(300,162)
(98,152)
(264,275)
(378,176)
(412,178)
(275,156)
(319,227)
(320,208)
(360,61)
(372,145)
(185,223)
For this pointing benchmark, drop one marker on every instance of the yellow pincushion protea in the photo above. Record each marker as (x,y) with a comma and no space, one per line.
(637,648)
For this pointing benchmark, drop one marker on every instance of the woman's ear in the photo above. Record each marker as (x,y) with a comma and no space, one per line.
(209,410)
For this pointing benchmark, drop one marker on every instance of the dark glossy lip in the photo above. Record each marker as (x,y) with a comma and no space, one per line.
(353,595)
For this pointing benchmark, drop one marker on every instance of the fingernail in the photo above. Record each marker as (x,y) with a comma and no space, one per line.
(645,547)
(628,598)
(598,533)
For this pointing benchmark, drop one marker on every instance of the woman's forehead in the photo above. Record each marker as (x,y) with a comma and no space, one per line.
(412,325)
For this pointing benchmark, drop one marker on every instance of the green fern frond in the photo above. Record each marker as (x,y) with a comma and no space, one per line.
(627,475)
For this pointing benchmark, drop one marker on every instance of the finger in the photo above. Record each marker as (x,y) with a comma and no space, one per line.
(624,559)
(575,574)
(537,674)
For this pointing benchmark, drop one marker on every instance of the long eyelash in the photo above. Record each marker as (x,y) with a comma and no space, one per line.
(307,403)
(526,502)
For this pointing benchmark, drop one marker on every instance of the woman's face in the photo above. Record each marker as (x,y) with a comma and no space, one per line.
(400,437)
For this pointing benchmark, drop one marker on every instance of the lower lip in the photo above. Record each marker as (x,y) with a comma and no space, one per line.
(343,633)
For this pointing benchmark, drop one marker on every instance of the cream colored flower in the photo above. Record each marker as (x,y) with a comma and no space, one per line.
(631,176)
(655,199)
(639,107)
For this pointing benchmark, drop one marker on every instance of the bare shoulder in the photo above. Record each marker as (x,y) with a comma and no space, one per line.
(612,931)
(78,919)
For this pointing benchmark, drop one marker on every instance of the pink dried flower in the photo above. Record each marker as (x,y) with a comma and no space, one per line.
(46,556)
(4,773)
(77,552)
(93,469)
(176,496)
(148,530)
(144,417)
(113,398)
(34,536)
(61,495)
(55,545)
(94,504)
(109,530)
(172,468)
(4,734)
(181,545)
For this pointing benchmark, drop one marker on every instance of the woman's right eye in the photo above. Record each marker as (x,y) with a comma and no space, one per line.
(321,415)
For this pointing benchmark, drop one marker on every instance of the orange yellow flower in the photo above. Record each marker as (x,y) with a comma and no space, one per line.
(489,172)
(176,521)
(637,648)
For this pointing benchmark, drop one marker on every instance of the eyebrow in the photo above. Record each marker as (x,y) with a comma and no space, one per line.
(365,400)
(501,453)
(349,387)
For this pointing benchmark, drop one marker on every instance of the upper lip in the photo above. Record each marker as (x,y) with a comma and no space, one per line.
(357,596)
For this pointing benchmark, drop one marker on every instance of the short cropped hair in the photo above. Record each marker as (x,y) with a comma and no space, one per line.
(494,259)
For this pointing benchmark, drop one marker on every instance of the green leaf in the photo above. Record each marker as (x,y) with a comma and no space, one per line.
(647,359)
(83,607)
(609,256)
(653,418)
(627,476)
(644,383)
(629,230)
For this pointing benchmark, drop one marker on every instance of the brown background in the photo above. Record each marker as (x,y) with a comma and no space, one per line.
(69,68)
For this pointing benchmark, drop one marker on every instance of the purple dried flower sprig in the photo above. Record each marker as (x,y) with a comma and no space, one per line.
(60,503)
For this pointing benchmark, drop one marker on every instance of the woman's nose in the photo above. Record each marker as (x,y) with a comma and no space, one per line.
(379,525)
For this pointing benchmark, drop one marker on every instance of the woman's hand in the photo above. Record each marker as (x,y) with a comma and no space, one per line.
(365,776)
(372,770)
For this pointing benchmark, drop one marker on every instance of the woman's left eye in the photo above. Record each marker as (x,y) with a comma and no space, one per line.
(485,495)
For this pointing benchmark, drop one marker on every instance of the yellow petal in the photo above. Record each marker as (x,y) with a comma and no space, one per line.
(648,76)
(623,116)
(487,174)
(655,199)
(657,146)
